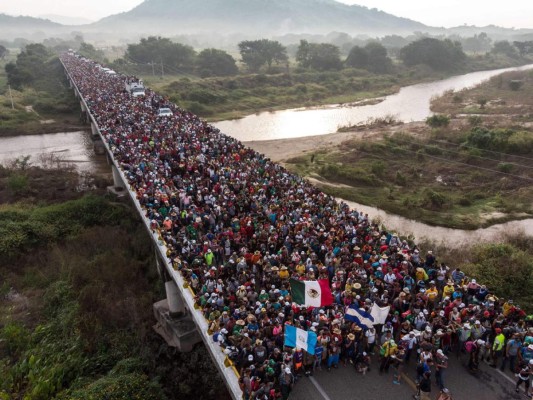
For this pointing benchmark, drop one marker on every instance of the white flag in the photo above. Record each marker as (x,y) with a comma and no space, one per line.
(380,314)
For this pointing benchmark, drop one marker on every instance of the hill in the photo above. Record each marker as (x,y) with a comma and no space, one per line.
(27,27)
(255,17)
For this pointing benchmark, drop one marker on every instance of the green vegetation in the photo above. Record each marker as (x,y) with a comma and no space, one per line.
(258,53)
(486,263)
(318,56)
(320,75)
(373,57)
(39,93)
(442,55)
(78,284)
(441,178)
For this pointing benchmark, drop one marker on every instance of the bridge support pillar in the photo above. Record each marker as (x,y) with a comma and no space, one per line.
(94,130)
(176,307)
(119,186)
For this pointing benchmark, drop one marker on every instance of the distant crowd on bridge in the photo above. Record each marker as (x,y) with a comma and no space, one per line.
(239,226)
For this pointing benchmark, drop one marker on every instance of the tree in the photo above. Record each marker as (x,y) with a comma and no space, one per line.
(257,53)
(438,54)
(89,51)
(214,62)
(320,56)
(378,60)
(477,43)
(3,52)
(30,66)
(357,58)
(506,48)
(524,47)
(163,52)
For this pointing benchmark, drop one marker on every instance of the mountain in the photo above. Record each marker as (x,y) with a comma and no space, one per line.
(254,17)
(27,27)
(64,20)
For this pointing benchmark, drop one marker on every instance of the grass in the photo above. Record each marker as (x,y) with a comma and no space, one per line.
(423,178)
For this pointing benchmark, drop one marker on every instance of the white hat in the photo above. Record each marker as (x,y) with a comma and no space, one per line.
(287,370)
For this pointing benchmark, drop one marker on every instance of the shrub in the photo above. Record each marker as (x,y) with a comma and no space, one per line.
(17,183)
(515,85)
(438,121)
(434,199)
(505,167)
(475,120)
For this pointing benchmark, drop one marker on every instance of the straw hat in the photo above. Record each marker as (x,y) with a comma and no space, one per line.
(351,336)
(240,322)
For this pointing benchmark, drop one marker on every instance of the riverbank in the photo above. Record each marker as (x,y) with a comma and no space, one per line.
(43,104)
(427,173)
(218,99)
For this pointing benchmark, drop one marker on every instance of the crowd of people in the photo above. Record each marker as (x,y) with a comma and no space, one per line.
(239,226)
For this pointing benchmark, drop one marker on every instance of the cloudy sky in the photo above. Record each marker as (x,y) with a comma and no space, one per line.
(509,13)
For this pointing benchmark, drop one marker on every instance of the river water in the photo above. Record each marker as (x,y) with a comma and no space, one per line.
(411,103)
(71,148)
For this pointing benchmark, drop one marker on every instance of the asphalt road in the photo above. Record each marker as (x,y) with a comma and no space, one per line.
(345,384)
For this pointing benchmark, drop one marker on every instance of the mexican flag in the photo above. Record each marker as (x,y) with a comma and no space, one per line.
(311,293)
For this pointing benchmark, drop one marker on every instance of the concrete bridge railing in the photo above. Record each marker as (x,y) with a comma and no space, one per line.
(180,297)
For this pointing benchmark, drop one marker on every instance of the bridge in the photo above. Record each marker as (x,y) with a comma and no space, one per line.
(109,109)
(180,322)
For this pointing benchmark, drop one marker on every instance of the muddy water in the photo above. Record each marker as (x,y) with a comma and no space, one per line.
(411,103)
(71,148)
(448,236)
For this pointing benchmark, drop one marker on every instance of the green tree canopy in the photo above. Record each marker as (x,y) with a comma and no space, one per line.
(357,58)
(506,48)
(214,62)
(438,54)
(3,52)
(257,53)
(163,51)
(30,66)
(378,60)
(524,47)
(373,57)
(320,56)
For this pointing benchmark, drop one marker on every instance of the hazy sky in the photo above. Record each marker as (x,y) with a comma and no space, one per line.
(509,13)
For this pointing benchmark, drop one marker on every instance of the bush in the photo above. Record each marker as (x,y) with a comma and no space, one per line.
(433,199)
(130,386)
(475,120)
(438,121)
(489,260)
(505,167)
(17,183)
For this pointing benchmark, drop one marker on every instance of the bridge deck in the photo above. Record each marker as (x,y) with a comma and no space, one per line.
(224,365)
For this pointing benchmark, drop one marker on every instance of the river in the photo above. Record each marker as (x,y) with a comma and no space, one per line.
(68,149)
(411,103)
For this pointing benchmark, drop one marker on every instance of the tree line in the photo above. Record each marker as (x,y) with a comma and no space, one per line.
(161,55)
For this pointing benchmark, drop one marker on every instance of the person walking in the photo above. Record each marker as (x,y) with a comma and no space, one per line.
(286,381)
(523,377)
(441,364)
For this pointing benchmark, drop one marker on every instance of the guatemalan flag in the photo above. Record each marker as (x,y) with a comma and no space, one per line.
(296,337)
(311,293)
(359,316)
